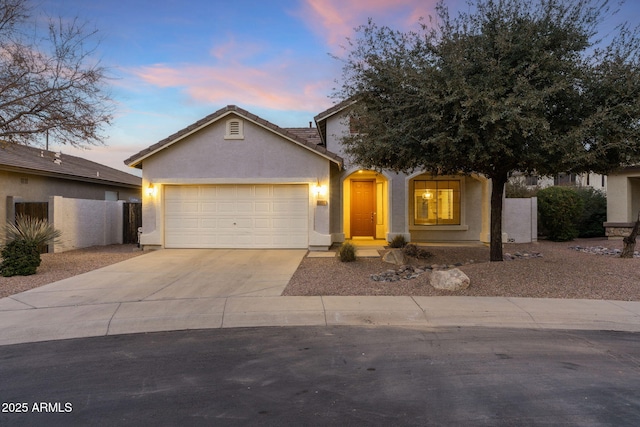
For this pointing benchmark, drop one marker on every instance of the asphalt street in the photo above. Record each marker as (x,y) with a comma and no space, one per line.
(346,376)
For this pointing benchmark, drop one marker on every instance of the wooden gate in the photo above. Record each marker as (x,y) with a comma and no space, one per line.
(38,210)
(131,220)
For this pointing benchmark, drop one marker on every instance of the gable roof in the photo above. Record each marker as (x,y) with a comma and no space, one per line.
(321,118)
(335,109)
(37,161)
(289,134)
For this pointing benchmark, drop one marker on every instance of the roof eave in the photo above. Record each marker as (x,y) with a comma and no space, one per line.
(70,177)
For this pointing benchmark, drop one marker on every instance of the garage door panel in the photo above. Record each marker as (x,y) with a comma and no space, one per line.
(295,191)
(226,224)
(208,192)
(176,207)
(209,223)
(262,207)
(244,208)
(263,223)
(226,207)
(237,216)
(209,207)
(244,223)
(183,223)
(263,192)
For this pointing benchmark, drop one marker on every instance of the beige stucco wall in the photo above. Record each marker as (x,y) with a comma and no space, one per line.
(520,220)
(39,188)
(86,223)
(623,201)
(262,157)
(623,196)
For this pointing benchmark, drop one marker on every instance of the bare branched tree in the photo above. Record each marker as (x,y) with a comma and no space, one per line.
(50,82)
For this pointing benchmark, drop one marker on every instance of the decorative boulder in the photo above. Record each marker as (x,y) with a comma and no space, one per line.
(395,256)
(449,280)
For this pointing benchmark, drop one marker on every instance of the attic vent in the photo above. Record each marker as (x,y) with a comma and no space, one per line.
(234,129)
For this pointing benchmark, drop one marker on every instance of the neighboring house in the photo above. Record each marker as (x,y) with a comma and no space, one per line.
(593,180)
(30,174)
(623,201)
(234,180)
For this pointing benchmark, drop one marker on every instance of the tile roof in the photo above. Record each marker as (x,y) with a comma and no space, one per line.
(296,137)
(49,163)
(310,134)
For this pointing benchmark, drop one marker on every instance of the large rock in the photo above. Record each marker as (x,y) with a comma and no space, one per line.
(449,280)
(395,256)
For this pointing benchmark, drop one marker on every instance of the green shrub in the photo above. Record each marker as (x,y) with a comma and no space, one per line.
(347,252)
(398,241)
(594,212)
(559,210)
(32,230)
(518,188)
(19,258)
(415,251)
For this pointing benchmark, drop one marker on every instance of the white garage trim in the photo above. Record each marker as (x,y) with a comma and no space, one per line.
(236,216)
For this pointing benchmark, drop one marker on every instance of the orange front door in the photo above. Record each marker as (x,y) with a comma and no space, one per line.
(363,208)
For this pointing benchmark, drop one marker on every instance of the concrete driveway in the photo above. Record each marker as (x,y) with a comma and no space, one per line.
(174,274)
(168,289)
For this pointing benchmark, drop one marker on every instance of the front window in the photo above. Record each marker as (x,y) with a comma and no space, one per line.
(436,202)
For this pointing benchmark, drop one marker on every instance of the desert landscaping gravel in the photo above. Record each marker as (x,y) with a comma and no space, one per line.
(561,272)
(62,265)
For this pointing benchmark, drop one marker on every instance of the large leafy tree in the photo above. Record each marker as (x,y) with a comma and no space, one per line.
(510,85)
(50,82)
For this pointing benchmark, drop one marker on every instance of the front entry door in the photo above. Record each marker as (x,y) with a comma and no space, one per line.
(363,208)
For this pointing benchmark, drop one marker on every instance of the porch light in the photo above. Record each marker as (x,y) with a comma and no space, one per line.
(151,191)
(320,190)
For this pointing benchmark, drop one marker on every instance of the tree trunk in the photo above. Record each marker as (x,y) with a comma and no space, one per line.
(630,241)
(497,191)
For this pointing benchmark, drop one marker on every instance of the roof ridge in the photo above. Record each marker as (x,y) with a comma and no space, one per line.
(205,121)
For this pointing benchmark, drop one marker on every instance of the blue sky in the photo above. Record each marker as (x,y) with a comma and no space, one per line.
(174,62)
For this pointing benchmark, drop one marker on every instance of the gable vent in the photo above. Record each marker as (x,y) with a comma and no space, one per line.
(234,129)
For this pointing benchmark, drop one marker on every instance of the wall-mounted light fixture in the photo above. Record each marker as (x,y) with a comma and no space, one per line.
(320,190)
(151,191)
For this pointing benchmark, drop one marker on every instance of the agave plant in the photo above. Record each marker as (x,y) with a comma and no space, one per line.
(32,230)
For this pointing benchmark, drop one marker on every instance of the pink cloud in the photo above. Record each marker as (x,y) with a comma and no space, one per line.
(277,85)
(335,20)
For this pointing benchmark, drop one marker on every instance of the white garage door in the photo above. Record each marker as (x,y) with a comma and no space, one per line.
(237,216)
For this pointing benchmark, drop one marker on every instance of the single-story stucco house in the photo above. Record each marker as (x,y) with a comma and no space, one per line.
(81,198)
(235,180)
(30,174)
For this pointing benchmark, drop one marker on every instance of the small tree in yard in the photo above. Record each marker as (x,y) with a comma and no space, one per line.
(50,82)
(630,240)
(513,85)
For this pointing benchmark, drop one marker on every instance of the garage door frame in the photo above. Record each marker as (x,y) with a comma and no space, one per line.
(243,215)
